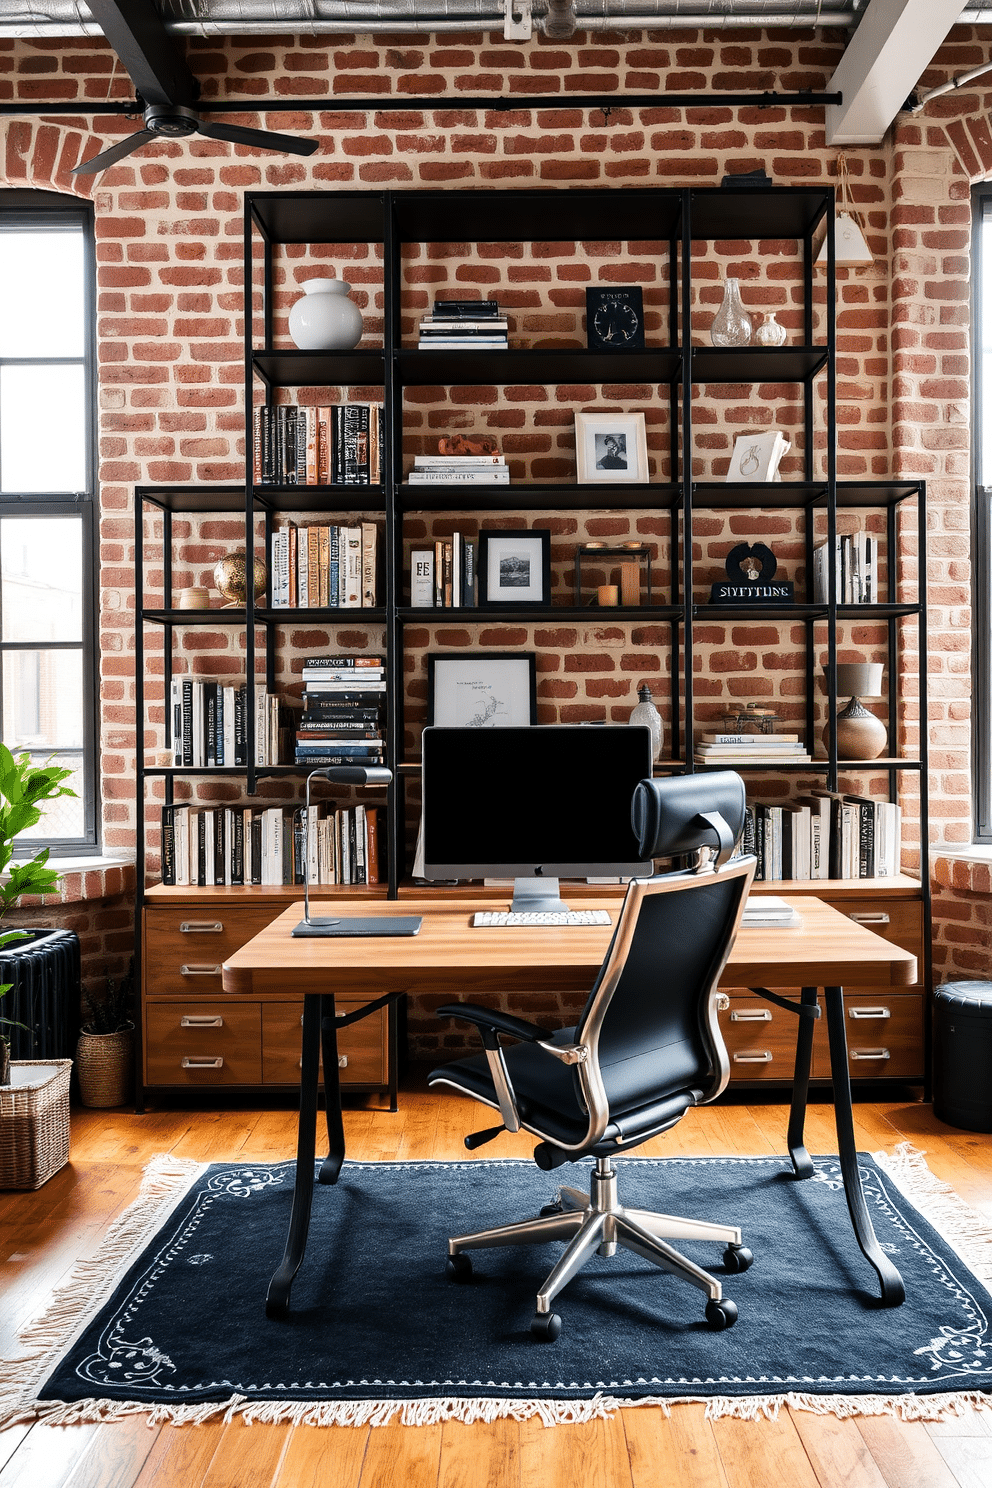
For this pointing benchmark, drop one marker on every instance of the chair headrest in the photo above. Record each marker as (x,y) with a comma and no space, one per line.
(682,813)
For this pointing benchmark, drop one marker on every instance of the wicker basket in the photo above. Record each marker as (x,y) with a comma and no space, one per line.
(105,1066)
(34,1122)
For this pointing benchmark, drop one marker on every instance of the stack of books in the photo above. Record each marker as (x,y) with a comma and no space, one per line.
(727,749)
(343,706)
(478,470)
(339,445)
(320,568)
(207,846)
(443,577)
(855,570)
(464,325)
(824,835)
(211,728)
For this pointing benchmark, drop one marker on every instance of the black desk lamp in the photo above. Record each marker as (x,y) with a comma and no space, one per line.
(348,924)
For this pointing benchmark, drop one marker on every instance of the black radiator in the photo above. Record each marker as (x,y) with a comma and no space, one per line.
(44,973)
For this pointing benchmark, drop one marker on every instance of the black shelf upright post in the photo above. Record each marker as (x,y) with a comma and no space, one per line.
(390,471)
(687,389)
(830,319)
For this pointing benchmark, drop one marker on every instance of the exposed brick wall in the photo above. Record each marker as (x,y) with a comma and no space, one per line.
(171,316)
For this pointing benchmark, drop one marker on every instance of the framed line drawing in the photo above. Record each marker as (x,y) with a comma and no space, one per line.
(611,447)
(480,689)
(514,569)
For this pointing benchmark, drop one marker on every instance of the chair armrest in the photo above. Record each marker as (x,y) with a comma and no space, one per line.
(490,1022)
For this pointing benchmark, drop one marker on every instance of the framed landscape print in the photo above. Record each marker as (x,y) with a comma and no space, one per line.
(514,569)
(611,447)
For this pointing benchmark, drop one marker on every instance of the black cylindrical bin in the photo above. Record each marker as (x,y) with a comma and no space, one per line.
(962,1055)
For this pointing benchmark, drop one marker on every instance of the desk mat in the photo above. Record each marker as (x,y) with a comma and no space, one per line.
(170,1318)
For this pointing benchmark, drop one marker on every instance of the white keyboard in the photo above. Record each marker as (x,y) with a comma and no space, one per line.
(510,918)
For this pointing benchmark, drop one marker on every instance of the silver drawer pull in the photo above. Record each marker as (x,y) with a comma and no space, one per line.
(342,1062)
(204,1020)
(752,1015)
(204,970)
(873,1054)
(875,1012)
(762,1056)
(192,1062)
(877,917)
(200,927)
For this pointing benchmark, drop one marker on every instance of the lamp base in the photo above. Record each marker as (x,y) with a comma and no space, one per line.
(360,925)
(860,735)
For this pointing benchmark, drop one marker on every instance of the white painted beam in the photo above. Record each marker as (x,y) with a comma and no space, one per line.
(885,58)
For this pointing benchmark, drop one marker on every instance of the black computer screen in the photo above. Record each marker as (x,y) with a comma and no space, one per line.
(524,802)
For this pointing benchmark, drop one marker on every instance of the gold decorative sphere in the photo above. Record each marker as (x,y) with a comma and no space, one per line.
(230,578)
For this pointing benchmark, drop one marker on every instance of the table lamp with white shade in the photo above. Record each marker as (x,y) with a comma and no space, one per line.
(860,735)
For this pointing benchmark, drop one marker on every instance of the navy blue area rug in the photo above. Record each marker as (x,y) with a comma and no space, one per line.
(170,1317)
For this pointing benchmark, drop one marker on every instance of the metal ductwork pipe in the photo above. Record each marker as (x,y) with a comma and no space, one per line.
(559,22)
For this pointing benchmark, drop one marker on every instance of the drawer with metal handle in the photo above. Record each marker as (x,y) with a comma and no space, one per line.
(184,951)
(760,1039)
(884,1037)
(898,920)
(193,1044)
(361,1047)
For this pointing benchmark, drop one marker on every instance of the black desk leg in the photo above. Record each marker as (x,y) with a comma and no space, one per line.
(802,1163)
(331,1166)
(893,1288)
(277,1298)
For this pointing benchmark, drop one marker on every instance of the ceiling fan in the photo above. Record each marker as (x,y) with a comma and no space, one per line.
(166,88)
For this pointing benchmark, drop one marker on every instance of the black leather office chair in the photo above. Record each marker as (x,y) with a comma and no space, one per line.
(646,1048)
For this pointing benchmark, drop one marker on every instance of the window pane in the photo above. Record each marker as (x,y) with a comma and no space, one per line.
(41,578)
(42,428)
(63,817)
(43,699)
(41,294)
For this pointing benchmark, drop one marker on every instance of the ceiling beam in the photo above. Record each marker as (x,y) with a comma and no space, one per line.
(885,58)
(155,63)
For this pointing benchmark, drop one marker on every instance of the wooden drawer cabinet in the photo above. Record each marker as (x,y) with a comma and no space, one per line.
(362,1045)
(898,920)
(203,1043)
(760,1039)
(196,1035)
(884,1037)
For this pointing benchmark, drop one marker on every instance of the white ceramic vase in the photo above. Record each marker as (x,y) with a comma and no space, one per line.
(769,332)
(324,319)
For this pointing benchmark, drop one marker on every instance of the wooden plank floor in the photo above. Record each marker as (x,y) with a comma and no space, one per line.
(43,1234)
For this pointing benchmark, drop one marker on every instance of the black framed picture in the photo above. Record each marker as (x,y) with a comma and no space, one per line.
(482,689)
(514,569)
(614,317)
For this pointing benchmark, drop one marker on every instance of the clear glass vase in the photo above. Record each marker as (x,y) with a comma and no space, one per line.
(731,323)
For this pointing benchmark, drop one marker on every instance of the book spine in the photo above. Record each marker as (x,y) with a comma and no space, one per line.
(168,845)
(352,560)
(325,442)
(422,579)
(256,444)
(333,567)
(300,446)
(373,871)
(369,556)
(268,439)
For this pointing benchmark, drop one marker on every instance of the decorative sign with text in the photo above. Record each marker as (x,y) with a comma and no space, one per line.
(750,579)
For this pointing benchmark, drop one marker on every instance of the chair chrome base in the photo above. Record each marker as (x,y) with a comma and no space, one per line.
(597,1221)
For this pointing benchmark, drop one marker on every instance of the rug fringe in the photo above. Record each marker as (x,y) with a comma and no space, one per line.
(964,1228)
(485,1409)
(91,1280)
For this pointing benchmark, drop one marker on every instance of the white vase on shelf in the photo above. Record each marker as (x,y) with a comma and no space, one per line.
(324,319)
(769,332)
(645,713)
(731,323)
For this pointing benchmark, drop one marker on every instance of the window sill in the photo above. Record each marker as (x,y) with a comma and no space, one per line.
(968,869)
(86,878)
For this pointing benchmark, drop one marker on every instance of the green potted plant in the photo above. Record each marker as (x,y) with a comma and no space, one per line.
(105,1052)
(23,786)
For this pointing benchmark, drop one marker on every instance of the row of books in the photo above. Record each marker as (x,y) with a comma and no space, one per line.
(824,835)
(210,727)
(749,749)
(475,325)
(343,711)
(855,570)
(339,445)
(472,470)
(208,846)
(322,567)
(444,576)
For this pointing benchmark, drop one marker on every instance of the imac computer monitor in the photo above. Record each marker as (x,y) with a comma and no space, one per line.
(533,804)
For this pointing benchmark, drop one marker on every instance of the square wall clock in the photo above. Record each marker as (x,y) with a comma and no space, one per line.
(614,317)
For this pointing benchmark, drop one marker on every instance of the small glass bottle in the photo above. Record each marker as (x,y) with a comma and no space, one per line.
(731,323)
(769,332)
(644,712)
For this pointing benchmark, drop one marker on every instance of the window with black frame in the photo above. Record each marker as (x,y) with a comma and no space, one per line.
(48,694)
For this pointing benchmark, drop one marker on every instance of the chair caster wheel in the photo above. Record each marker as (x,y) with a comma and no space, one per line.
(545,1326)
(737,1258)
(721,1315)
(459,1267)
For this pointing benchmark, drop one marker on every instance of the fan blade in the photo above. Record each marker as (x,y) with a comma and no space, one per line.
(115,153)
(235,135)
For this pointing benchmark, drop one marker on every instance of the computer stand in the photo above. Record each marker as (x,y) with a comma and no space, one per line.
(538,895)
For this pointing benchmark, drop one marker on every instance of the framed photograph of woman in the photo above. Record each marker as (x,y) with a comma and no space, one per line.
(611,447)
(514,569)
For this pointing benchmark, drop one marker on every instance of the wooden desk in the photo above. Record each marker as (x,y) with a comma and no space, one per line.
(450,955)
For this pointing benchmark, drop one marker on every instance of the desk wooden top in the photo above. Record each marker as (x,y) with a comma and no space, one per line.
(449,953)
